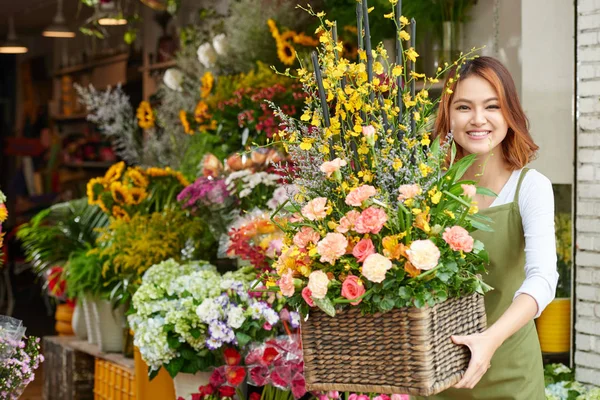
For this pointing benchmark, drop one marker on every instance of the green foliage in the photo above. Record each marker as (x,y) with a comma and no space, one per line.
(83,274)
(53,235)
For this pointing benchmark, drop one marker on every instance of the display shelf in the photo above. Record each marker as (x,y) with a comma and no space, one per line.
(92,64)
(72,117)
(158,66)
(88,164)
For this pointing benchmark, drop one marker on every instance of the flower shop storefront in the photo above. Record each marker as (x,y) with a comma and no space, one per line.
(260,207)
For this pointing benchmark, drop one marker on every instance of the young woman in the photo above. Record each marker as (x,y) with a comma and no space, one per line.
(485,117)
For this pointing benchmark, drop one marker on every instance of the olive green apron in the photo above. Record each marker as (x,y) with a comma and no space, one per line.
(516,372)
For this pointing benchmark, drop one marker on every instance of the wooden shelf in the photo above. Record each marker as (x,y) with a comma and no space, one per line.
(92,64)
(158,66)
(88,164)
(72,117)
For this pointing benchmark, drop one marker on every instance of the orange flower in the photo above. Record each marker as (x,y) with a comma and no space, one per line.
(411,270)
(185,122)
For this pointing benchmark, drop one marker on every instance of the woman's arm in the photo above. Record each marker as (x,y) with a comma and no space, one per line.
(484,345)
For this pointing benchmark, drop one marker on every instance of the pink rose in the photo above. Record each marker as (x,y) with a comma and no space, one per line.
(458,239)
(333,394)
(400,397)
(371,220)
(408,192)
(362,397)
(469,190)
(306,295)
(369,134)
(353,288)
(332,247)
(360,194)
(316,209)
(317,284)
(347,222)
(382,397)
(363,249)
(306,236)
(286,284)
(375,267)
(329,167)
(423,254)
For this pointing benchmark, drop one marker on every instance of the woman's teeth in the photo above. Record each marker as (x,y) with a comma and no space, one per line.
(478,134)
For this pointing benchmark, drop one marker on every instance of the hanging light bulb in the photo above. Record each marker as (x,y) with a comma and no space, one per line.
(12,45)
(58,28)
(109,15)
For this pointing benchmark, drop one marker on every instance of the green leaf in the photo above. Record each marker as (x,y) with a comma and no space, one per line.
(486,192)
(461,166)
(477,246)
(452,266)
(405,293)
(188,354)
(242,338)
(195,332)
(480,226)
(444,275)
(152,373)
(435,147)
(452,153)
(173,342)
(419,302)
(387,304)
(174,366)
(326,305)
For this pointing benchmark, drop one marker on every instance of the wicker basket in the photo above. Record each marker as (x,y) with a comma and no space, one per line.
(406,350)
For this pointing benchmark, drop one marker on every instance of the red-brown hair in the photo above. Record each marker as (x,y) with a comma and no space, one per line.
(518,147)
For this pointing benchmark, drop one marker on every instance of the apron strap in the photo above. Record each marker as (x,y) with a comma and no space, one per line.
(523,172)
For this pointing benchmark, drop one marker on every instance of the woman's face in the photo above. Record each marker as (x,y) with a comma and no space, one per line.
(476,120)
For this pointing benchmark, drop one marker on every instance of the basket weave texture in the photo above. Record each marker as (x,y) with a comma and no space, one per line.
(406,350)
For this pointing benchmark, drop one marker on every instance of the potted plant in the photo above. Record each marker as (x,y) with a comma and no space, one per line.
(554,325)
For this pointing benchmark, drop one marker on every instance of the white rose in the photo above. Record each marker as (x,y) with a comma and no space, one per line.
(207,55)
(220,44)
(173,79)
(317,284)
(235,317)
(375,267)
(423,254)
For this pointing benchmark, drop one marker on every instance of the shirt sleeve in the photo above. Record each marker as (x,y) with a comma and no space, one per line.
(536,205)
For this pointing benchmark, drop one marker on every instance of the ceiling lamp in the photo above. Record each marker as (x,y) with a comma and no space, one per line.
(12,45)
(109,16)
(58,28)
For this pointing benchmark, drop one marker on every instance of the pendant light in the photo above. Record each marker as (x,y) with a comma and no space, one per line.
(58,28)
(109,15)
(12,45)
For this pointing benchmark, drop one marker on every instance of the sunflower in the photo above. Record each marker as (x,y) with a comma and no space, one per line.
(287,36)
(120,213)
(120,193)
(179,176)
(208,81)
(185,122)
(273,28)
(305,40)
(3,212)
(137,177)
(201,112)
(114,172)
(102,206)
(286,53)
(145,115)
(94,188)
(154,172)
(137,195)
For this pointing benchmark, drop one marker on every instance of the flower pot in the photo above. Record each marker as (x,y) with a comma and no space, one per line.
(90,322)
(161,387)
(78,322)
(63,316)
(554,326)
(187,384)
(109,325)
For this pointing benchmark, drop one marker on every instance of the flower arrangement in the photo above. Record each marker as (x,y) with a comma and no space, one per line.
(285,42)
(186,316)
(561,385)
(225,380)
(128,248)
(382,217)
(19,358)
(123,192)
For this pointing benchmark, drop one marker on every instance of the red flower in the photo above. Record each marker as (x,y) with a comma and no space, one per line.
(232,356)
(269,355)
(206,390)
(259,375)
(197,396)
(254,396)
(281,377)
(226,391)
(56,284)
(217,378)
(298,385)
(235,375)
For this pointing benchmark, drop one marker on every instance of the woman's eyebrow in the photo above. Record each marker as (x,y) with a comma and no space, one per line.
(470,102)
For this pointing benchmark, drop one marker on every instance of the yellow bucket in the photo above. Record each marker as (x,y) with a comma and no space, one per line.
(554,326)
(161,387)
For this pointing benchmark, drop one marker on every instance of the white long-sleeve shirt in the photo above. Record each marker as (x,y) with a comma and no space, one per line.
(536,205)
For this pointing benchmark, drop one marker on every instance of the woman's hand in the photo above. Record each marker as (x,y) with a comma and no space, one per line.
(482,346)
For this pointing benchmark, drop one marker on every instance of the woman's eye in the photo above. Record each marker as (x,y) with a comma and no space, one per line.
(494,107)
(462,108)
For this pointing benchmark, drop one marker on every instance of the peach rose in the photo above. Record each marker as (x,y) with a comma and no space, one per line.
(458,239)
(375,267)
(408,191)
(286,284)
(316,209)
(423,254)
(306,295)
(360,194)
(317,284)
(353,288)
(369,134)
(348,221)
(332,247)
(371,220)
(469,190)
(329,167)
(363,249)
(306,236)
